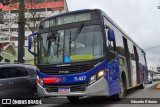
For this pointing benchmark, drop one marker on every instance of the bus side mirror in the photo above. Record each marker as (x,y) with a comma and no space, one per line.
(111,36)
(30,43)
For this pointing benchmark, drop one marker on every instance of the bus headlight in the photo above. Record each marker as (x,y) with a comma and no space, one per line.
(98,75)
(93,79)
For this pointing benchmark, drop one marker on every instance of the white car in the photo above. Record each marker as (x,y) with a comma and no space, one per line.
(150,78)
(156,77)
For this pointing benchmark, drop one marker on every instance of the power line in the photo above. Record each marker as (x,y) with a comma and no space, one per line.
(152,47)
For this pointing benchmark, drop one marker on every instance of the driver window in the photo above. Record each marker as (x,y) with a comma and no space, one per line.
(111,47)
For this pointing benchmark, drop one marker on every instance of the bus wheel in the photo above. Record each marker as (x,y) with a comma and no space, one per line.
(73,99)
(142,86)
(122,92)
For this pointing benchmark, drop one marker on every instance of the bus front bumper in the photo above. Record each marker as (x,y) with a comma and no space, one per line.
(99,88)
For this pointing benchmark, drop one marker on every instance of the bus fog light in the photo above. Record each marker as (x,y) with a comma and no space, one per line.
(93,79)
(100,73)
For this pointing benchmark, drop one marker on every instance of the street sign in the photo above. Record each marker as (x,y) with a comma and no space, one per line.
(4,39)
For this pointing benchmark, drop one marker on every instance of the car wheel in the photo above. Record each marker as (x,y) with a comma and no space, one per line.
(33,94)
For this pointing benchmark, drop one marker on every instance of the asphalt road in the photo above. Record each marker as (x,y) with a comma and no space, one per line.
(150,92)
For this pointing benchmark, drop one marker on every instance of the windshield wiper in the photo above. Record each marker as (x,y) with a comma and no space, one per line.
(75,35)
(77,32)
(55,38)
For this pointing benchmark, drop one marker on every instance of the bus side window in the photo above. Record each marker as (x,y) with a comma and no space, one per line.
(111,47)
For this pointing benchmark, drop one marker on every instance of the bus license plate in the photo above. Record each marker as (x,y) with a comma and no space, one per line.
(64,90)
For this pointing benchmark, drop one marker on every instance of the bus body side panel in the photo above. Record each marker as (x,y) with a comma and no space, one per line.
(114,77)
(143,73)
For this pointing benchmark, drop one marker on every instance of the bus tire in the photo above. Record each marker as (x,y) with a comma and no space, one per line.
(142,86)
(73,99)
(122,92)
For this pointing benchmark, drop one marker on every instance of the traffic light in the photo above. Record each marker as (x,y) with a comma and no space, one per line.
(143,53)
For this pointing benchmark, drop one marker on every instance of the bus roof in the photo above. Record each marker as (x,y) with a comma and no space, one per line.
(102,13)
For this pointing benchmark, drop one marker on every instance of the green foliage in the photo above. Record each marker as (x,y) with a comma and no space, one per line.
(5,2)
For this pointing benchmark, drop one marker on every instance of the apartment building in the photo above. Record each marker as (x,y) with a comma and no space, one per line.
(35,10)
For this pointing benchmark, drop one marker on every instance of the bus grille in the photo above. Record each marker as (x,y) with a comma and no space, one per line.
(50,70)
(73,88)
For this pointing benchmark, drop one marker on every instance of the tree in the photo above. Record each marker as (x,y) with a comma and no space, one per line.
(33,15)
(33,19)
(5,2)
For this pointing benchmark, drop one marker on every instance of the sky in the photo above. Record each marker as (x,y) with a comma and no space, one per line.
(140,19)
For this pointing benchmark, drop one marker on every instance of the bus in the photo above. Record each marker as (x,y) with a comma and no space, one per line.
(84,53)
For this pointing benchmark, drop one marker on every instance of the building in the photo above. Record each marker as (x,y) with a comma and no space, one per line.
(7,50)
(158,68)
(35,11)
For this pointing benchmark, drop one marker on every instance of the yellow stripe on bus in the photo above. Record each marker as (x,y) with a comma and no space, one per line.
(80,57)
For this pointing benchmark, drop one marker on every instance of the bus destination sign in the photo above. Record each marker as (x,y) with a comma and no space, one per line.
(73,18)
(66,19)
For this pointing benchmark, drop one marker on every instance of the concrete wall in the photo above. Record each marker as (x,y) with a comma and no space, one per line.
(8,55)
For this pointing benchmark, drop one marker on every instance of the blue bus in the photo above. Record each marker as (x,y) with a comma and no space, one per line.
(84,53)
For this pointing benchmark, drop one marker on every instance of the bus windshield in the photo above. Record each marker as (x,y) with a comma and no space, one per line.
(59,46)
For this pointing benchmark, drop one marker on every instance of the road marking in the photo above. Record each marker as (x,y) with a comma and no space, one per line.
(158,86)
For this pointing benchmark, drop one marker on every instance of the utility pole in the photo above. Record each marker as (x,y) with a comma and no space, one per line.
(21,31)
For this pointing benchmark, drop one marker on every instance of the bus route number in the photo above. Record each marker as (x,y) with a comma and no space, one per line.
(81,78)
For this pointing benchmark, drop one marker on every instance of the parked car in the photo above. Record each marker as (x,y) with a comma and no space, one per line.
(156,77)
(17,81)
(150,78)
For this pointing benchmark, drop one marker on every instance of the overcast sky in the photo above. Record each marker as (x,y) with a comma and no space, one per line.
(140,19)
